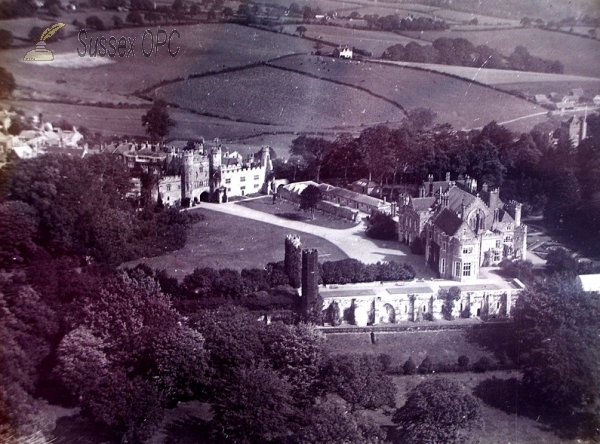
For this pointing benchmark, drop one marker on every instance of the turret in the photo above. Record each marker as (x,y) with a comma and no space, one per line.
(187,180)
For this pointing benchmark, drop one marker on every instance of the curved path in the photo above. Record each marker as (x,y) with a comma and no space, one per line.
(351,241)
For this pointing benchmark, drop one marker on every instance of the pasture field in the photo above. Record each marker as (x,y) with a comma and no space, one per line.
(225,241)
(579,55)
(453,16)
(374,41)
(205,47)
(268,95)
(458,102)
(123,121)
(498,77)
(562,88)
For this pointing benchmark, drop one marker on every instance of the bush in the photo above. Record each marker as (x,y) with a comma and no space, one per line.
(348,271)
(385,361)
(382,226)
(409,367)
(463,362)
(482,365)
(426,366)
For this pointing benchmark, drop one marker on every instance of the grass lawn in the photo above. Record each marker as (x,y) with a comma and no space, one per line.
(441,346)
(290,211)
(224,241)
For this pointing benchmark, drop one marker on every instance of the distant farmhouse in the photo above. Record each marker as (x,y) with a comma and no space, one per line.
(343,52)
(460,228)
(206,172)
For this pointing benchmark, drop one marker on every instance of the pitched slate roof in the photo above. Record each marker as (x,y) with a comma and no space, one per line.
(422,203)
(457,197)
(447,221)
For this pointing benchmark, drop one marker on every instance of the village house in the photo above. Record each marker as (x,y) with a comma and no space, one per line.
(343,52)
(460,228)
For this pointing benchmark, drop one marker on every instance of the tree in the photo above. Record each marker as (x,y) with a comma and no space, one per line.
(135,18)
(94,22)
(227,12)
(332,422)
(117,21)
(301,30)
(296,351)
(157,121)
(254,405)
(310,198)
(438,410)
(7,83)
(382,226)
(129,355)
(6,39)
(359,380)
(314,151)
(557,325)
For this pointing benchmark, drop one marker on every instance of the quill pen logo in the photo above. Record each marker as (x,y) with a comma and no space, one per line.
(40,53)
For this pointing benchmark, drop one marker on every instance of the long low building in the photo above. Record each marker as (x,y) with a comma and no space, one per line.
(379,303)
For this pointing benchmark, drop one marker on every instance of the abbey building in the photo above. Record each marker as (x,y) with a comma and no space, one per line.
(461,228)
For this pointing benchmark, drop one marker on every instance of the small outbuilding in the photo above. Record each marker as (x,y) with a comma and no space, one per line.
(589,282)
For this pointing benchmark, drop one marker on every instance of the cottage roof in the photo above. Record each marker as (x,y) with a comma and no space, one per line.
(589,282)
(364,183)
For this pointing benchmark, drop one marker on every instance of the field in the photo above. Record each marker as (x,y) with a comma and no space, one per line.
(204,48)
(458,102)
(267,95)
(577,54)
(223,241)
(498,77)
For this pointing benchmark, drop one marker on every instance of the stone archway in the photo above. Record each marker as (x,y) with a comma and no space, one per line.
(389,315)
(205,197)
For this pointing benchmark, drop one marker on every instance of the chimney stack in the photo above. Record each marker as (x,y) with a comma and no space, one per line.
(494,198)
(448,176)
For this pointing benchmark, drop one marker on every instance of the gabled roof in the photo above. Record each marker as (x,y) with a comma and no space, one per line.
(458,197)
(422,203)
(356,197)
(447,221)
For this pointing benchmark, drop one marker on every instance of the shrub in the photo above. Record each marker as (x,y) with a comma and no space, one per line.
(426,366)
(382,226)
(385,361)
(409,367)
(463,362)
(482,365)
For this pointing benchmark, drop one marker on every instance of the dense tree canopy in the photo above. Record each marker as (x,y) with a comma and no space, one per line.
(557,328)
(157,121)
(438,411)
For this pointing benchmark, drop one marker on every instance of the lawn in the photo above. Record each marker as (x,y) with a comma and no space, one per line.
(268,95)
(458,102)
(224,241)
(579,55)
(290,211)
(444,346)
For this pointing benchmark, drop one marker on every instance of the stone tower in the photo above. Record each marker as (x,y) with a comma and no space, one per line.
(310,278)
(215,168)
(292,262)
(187,175)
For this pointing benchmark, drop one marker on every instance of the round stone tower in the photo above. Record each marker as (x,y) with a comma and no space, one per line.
(292,263)
(187,175)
